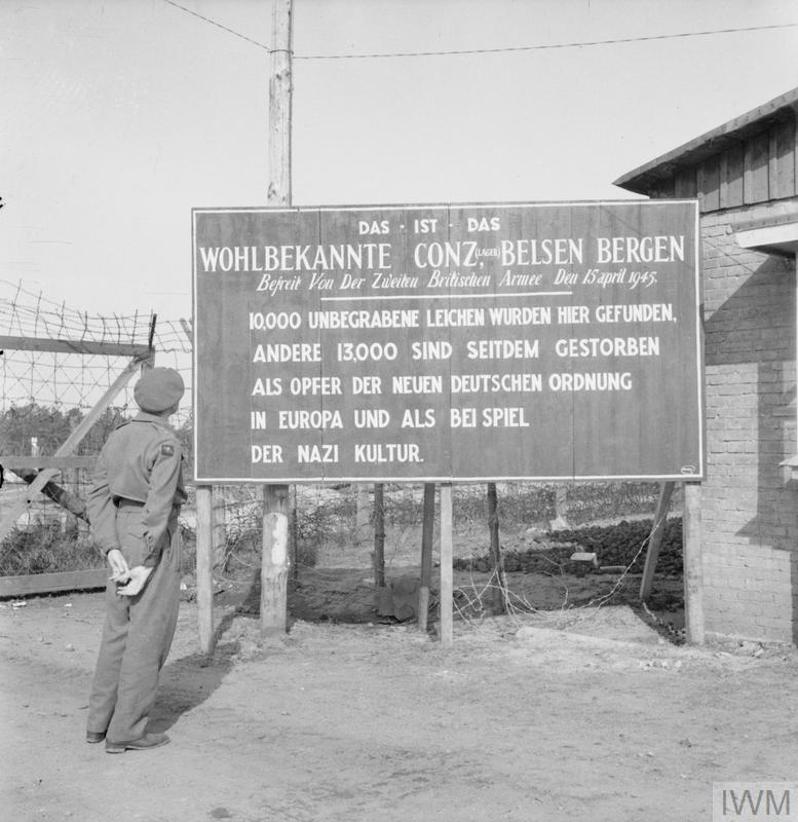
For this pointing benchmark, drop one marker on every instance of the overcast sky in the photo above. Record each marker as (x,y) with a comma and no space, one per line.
(119,116)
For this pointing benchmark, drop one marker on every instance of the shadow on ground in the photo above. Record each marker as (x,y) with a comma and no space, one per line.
(187,682)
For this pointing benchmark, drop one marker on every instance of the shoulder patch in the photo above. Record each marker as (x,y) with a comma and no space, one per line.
(167,450)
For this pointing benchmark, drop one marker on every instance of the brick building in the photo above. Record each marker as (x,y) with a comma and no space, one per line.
(745,176)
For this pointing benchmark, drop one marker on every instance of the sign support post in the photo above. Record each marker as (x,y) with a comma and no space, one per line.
(427,530)
(274,564)
(379,535)
(205,567)
(693,574)
(446,605)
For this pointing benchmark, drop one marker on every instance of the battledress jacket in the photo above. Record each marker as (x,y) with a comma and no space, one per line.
(141,462)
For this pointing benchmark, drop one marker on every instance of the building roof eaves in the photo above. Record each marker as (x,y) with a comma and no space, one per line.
(642,179)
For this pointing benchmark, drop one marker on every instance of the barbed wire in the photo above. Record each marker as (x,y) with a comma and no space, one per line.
(66,380)
(45,392)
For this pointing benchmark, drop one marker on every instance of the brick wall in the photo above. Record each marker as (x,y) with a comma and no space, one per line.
(749,503)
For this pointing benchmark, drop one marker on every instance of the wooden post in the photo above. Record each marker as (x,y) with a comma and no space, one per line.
(446,605)
(379,535)
(66,499)
(655,538)
(364,537)
(693,574)
(500,593)
(294,537)
(279,190)
(204,567)
(219,542)
(274,562)
(427,532)
(560,507)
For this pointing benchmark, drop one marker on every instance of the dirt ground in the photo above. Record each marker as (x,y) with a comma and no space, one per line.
(581,714)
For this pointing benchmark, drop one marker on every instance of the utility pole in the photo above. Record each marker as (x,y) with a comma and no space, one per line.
(280,81)
(274,564)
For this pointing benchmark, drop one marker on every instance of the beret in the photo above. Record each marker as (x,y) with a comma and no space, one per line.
(158,390)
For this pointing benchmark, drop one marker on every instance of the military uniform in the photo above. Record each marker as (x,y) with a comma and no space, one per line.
(133,506)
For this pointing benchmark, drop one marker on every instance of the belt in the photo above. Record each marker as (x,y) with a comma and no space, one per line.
(122,502)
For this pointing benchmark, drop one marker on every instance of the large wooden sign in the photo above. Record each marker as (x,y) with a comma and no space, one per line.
(448,342)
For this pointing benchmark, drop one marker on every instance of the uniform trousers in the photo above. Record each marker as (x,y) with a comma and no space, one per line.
(137,633)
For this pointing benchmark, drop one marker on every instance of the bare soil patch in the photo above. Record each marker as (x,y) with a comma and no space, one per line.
(569,714)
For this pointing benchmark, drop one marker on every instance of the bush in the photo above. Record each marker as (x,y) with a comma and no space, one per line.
(47,547)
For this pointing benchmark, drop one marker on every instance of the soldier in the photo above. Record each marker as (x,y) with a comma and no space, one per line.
(133,506)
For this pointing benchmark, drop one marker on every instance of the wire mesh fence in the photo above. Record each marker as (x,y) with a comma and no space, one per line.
(334,533)
(74,382)
(46,393)
(332,525)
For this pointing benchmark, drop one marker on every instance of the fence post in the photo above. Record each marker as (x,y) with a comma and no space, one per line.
(500,592)
(655,538)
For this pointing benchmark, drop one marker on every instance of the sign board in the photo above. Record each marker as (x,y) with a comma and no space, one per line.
(448,342)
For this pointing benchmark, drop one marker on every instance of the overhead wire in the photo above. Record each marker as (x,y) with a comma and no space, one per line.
(217,24)
(540,46)
(498,50)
